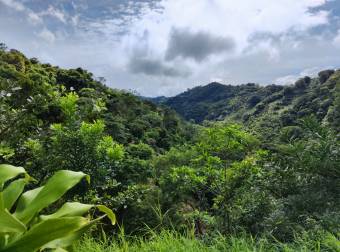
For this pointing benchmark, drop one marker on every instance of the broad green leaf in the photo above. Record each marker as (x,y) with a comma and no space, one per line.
(108,213)
(59,250)
(12,192)
(55,188)
(2,204)
(45,232)
(56,231)
(68,240)
(3,241)
(8,172)
(10,224)
(69,209)
(74,236)
(77,209)
(26,198)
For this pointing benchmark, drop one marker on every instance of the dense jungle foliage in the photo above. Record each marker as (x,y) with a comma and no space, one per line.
(252,103)
(266,174)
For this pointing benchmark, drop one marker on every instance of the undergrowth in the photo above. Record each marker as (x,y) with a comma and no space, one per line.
(174,242)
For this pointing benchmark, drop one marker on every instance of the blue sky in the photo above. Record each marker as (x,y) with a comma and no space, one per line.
(163,47)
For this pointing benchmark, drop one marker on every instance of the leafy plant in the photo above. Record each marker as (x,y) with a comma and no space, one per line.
(23,227)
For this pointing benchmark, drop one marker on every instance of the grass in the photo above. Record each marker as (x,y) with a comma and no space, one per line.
(173,242)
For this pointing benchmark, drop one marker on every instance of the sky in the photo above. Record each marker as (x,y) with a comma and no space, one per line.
(164,47)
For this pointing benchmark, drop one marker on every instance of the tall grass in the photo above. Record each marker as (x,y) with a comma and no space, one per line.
(174,242)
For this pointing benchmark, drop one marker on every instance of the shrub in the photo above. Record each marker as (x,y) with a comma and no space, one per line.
(303,82)
(253,100)
(288,91)
(290,133)
(324,75)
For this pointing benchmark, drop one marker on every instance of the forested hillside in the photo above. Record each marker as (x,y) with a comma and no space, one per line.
(254,105)
(264,178)
(32,93)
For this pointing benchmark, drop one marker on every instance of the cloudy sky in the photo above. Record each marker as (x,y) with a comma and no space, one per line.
(163,47)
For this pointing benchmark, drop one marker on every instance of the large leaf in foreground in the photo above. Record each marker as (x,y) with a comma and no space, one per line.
(70,209)
(55,188)
(8,172)
(69,239)
(45,232)
(12,192)
(10,224)
(26,231)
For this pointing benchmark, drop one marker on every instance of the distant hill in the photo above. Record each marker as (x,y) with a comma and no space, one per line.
(253,104)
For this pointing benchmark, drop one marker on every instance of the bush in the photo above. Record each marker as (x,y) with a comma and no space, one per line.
(141,151)
(303,82)
(324,75)
(290,133)
(288,91)
(253,100)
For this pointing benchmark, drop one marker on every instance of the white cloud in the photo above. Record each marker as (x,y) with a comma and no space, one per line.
(225,18)
(271,40)
(34,18)
(54,12)
(290,79)
(336,40)
(13,4)
(31,17)
(47,35)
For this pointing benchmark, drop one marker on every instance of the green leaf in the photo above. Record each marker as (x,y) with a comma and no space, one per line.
(27,198)
(45,232)
(3,240)
(74,236)
(68,240)
(56,231)
(108,213)
(2,204)
(55,188)
(69,209)
(12,192)
(59,250)
(10,224)
(8,172)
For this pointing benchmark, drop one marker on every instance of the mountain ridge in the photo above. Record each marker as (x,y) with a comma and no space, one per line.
(261,106)
(216,92)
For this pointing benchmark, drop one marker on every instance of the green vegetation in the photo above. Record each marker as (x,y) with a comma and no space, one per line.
(265,177)
(22,228)
(259,107)
(168,241)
